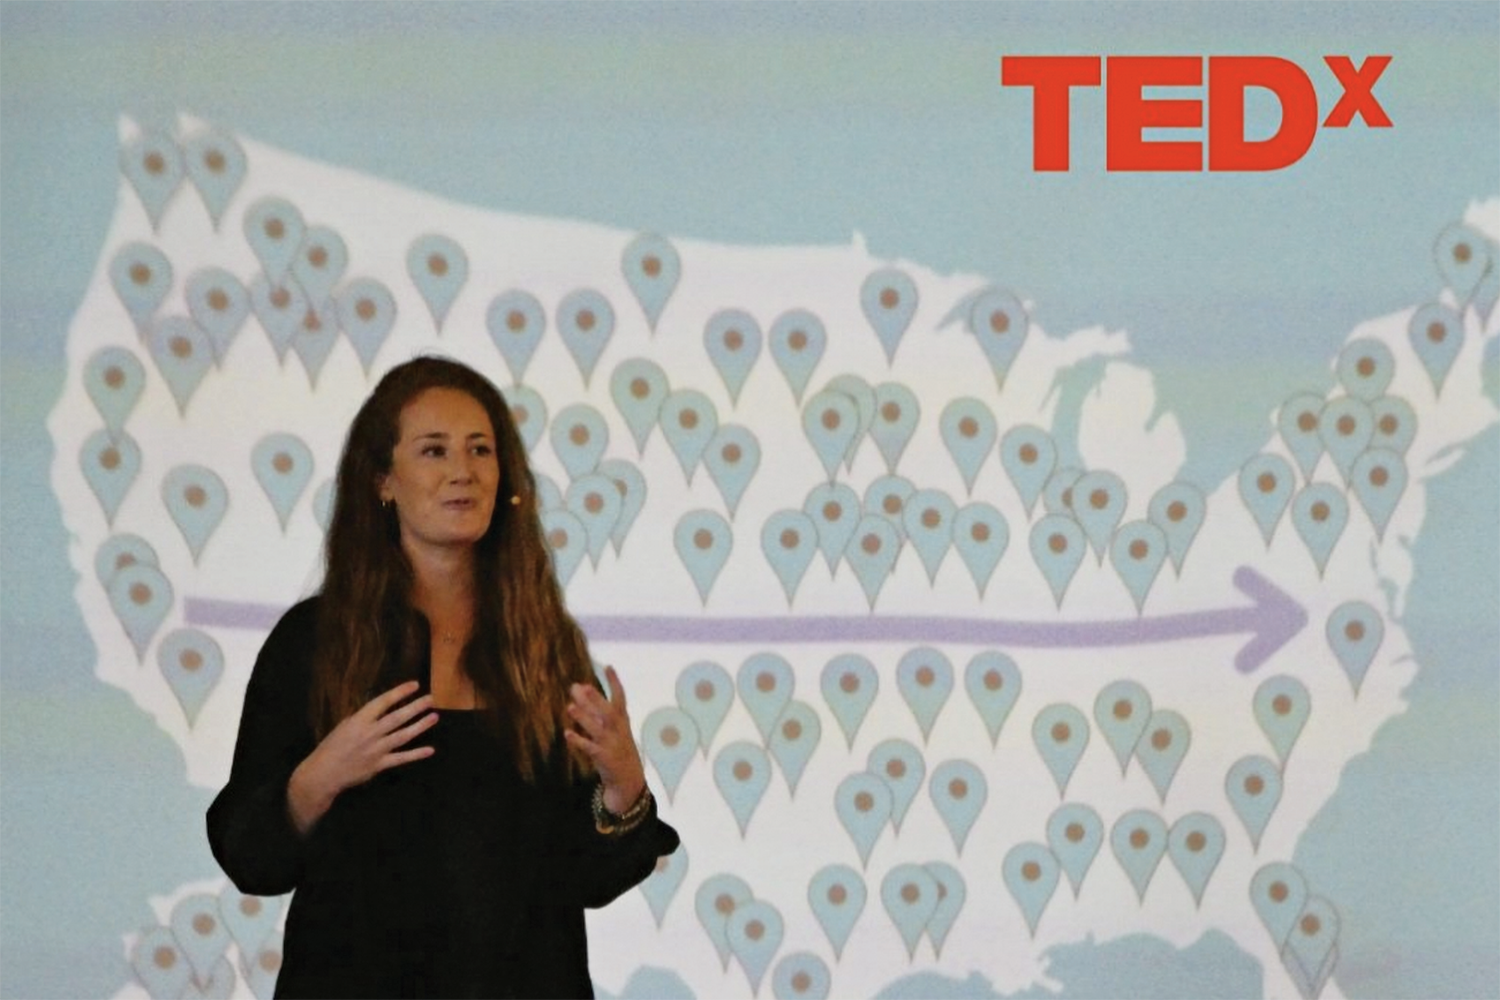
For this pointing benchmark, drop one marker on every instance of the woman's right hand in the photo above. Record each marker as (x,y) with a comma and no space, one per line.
(357,749)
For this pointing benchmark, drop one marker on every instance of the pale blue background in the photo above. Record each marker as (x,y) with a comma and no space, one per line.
(783,124)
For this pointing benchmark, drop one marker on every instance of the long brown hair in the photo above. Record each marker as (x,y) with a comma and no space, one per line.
(525,649)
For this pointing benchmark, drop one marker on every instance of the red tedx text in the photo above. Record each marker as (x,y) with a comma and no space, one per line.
(1129,112)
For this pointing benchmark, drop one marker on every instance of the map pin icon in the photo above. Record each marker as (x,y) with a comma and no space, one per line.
(568,541)
(196,499)
(688,421)
(1365,368)
(586,322)
(1281,708)
(889,300)
(703,540)
(1178,510)
(886,497)
(928,519)
(901,767)
(1346,426)
(789,540)
(1253,787)
(262,970)
(1311,949)
(516,322)
(1297,423)
(631,487)
(1462,256)
(1319,513)
(1029,457)
(717,897)
(742,771)
(1162,748)
(579,436)
(320,263)
(110,464)
(120,551)
(548,496)
(160,964)
(315,339)
(1195,844)
(755,932)
(765,683)
(830,420)
(793,740)
(215,163)
(958,790)
(1057,545)
(1030,872)
(1137,551)
(274,228)
(896,414)
(1395,424)
(981,537)
(662,884)
(863,395)
(998,321)
(993,682)
(951,894)
(366,313)
(1122,711)
(183,355)
(669,736)
(732,339)
(595,501)
(219,304)
(925,679)
(863,802)
(153,166)
(968,431)
(1061,734)
(837,895)
(1139,839)
(1355,630)
(1436,333)
(705,692)
(529,411)
(1075,833)
(910,895)
(639,386)
(280,308)
(192,663)
(283,465)
(800,974)
(732,457)
(834,508)
(439,267)
(1057,493)
(1266,483)
(114,378)
(871,553)
(199,933)
(1279,893)
(1378,479)
(652,268)
(1098,503)
(849,683)
(141,276)
(250,920)
(797,341)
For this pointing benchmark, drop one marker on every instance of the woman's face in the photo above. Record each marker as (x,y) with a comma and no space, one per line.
(444,472)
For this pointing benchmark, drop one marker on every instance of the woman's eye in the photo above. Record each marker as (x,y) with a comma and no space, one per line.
(434,450)
(483,450)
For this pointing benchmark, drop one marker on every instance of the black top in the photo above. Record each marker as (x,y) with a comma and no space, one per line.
(449,876)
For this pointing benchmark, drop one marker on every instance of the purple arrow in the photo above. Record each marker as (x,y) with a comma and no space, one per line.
(1272,619)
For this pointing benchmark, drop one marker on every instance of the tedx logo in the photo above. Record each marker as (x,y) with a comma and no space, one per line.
(1129,112)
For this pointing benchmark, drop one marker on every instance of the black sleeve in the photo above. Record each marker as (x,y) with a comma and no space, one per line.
(249,827)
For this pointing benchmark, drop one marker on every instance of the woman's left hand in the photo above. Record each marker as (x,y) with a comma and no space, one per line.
(607,741)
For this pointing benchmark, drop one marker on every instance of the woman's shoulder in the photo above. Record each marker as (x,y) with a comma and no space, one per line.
(299,620)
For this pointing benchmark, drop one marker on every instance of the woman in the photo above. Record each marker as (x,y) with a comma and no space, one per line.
(425,754)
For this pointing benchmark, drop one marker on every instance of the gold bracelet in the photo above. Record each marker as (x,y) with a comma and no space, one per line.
(610,823)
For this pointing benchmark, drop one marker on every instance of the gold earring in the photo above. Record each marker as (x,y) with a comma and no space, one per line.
(515,500)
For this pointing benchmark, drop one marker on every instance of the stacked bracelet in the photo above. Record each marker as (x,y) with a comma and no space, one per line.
(616,823)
